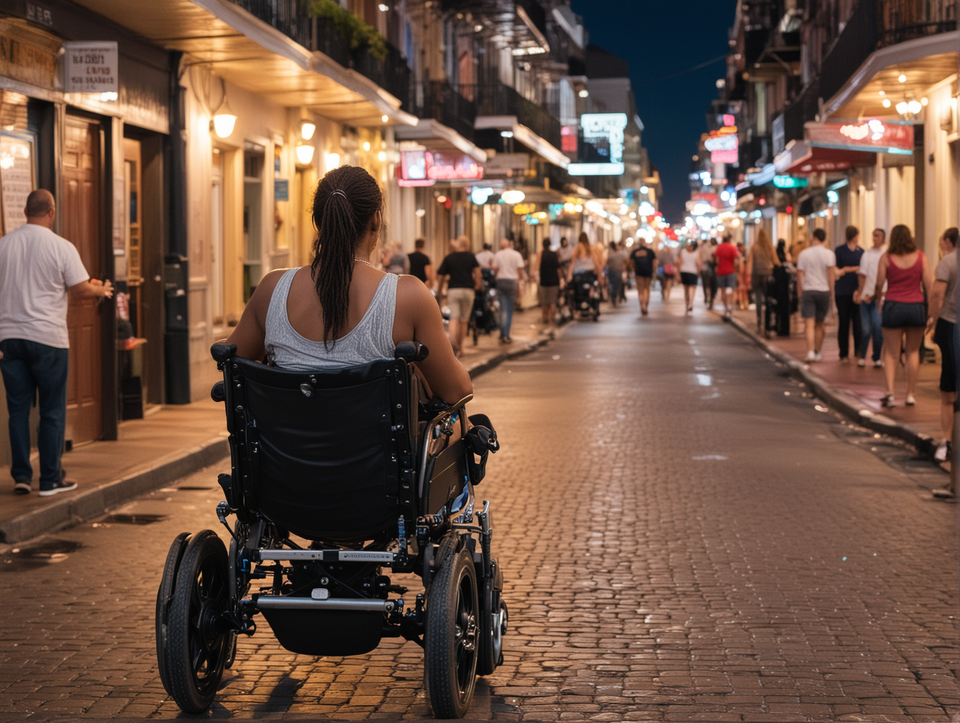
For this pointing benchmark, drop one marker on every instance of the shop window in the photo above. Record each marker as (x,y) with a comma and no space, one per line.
(253,162)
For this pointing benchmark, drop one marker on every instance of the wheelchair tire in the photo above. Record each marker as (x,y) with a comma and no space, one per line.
(198,643)
(493,626)
(164,598)
(450,658)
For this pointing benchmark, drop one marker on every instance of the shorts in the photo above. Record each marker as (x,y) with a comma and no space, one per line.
(549,295)
(899,314)
(727,281)
(945,337)
(688,279)
(644,274)
(460,302)
(815,305)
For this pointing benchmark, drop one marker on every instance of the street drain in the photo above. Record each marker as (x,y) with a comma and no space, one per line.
(194,489)
(119,519)
(39,555)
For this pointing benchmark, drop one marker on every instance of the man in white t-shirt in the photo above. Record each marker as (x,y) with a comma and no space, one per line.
(509,267)
(866,296)
(38,269)
(816,269)
(485,257)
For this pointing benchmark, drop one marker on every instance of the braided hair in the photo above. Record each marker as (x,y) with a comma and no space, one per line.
(346,201)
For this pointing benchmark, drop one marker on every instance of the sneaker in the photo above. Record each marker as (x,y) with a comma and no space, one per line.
(861,362)
(22,487)
(65,485)
(818,357)
(910,400)
(811,356)
(944,493)
(878,364)
(943,451)
(887,401)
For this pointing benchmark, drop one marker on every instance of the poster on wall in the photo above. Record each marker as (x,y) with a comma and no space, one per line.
(16,178)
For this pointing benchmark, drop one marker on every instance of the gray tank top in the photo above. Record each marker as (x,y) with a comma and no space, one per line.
(370,340)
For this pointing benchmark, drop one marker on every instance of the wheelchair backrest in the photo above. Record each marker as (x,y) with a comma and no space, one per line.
(326,454)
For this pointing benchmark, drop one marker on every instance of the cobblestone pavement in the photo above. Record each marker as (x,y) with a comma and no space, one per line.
(686,535)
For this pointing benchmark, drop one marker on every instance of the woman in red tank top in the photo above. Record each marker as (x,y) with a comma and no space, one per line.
(906,271)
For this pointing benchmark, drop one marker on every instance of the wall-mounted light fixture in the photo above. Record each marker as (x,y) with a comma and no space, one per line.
(331,160)
(307,129)
(224,119)
(304,154)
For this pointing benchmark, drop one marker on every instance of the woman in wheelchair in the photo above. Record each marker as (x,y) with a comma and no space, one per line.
(340,467)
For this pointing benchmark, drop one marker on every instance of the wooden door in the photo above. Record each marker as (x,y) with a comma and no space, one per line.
(79,212)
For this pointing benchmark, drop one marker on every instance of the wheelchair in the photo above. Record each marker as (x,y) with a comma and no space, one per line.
(336,475)
(583,295)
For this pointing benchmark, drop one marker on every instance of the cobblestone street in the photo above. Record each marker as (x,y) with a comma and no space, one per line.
(686,535)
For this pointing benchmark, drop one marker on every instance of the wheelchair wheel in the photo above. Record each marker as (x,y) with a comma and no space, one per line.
(493,626)
(198,643)
(451,636)
(164,595)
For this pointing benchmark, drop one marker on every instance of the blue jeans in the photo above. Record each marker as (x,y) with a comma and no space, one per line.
(29,367)
(870,323)
(507,294)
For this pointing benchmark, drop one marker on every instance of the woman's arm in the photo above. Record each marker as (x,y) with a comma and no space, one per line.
(881,280)
(927,276)
(419,313)
(249,333)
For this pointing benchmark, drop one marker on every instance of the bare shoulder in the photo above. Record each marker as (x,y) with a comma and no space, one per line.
(412,292)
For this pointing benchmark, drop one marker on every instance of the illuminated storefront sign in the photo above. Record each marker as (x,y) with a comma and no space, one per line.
(790,182)
(868,135)
(602,151)
(723,147)
(424,168)
(568,141)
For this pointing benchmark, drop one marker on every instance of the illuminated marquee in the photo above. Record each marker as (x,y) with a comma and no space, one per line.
(604,132)
(869,135)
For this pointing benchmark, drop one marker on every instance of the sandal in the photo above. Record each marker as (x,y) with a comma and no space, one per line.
(887,401)
(910,400)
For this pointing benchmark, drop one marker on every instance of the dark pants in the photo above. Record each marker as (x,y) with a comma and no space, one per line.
(29,367)
(507,295)
(709,277)
(870,321)
(848,312)
(761,297)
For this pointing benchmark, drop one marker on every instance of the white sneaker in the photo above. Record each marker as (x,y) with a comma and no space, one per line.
(861,362)
(878,364)
(818,357)
(811,356)
(941,454)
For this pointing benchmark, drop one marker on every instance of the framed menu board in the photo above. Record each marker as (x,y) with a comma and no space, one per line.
(17,177)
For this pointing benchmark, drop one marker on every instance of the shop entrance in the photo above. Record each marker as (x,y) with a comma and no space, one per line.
(79,212)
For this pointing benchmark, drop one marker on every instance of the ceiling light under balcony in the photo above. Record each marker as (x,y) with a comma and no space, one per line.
(304,154)
(307,129)
(914,106)
(506,134)
(902,78)
(886,103)
(902,107)
(383,7)
(584,93)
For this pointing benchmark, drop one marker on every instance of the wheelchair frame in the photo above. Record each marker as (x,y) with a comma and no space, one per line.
(329,597)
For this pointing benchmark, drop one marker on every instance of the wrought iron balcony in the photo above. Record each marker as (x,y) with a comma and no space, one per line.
(437,100)
(497,99)
(800,110)
(290,18)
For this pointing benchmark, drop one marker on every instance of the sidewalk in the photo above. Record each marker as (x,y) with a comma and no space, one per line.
(857,391)
(175,441)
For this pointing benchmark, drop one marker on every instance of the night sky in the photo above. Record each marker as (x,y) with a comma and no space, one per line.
(661,38)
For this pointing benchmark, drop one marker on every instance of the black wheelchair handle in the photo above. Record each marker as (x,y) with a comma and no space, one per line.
(223,351)
(218,393)
(411,351)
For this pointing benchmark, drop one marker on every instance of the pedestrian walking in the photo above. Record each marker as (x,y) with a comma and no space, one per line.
(906,272)
(816,267)
(761,261)
(870,325)
(565,254)
(420,265)
(689,273)
(460,273)
(548,274)
(942,318)
(727,259)
(616,263)
(667,260)
(485,257)
(782,254)
(848,258)
(742,292)
(644,261)
(394,260)
(708,271)
(39,271)
(509,268)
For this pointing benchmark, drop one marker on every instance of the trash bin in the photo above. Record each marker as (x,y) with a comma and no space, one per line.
(176,335)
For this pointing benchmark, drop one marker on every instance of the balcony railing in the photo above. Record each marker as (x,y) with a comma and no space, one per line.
(803,108)
(902,20)
(499,99)
(290,18)
(437,100)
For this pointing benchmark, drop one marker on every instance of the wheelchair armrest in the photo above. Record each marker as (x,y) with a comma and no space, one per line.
(218,393)
(411,351)
(223,351)
(436,406)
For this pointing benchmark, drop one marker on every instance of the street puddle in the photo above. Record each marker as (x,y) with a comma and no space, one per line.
(704,380)
(22,559)
(122,519)
(709,458)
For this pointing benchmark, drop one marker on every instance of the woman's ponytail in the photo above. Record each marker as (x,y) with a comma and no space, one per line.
(346,201)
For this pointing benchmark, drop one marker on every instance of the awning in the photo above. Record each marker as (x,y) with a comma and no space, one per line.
(433,135)
(257,57)
(801,158)
(524,135)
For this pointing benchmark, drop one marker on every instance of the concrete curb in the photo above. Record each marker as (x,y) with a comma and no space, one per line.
(848,405)
(76,508)
(94,503)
